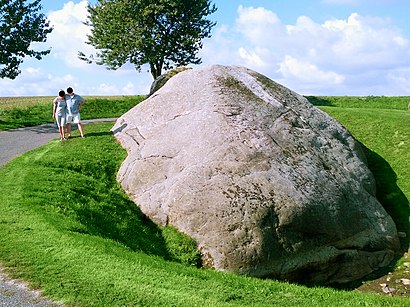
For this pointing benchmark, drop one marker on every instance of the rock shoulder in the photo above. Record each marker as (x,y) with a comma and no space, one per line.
(267,184)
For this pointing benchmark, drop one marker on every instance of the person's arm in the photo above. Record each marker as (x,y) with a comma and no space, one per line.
(54,107)
(81,101)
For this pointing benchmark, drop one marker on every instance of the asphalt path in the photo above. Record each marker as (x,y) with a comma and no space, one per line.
(15,293)
(12,144)
(18,141)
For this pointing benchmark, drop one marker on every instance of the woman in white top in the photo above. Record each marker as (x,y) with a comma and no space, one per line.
(60,113)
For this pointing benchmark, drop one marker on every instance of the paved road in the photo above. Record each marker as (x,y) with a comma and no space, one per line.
(13,143)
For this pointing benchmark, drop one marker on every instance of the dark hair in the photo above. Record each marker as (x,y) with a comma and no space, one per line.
(69,90)
(61,93)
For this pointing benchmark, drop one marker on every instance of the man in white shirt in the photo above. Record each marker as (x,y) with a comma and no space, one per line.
(74,103)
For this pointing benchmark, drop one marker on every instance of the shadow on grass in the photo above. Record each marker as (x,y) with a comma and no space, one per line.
(113,216)
(389,194)
(16,124)
(91,134)
(319,101)
(394,202)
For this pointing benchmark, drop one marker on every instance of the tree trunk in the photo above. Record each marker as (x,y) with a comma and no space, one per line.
(156,69)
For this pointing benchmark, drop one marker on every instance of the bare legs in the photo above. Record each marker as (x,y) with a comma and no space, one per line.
(62,132)
(80,127)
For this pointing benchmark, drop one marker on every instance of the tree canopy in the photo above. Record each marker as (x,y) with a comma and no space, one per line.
(162,33)
(20,25)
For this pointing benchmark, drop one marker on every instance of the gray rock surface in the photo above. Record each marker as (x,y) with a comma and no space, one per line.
(267,184)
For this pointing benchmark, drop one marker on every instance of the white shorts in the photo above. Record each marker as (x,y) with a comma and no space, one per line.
(75,118)
(60,119)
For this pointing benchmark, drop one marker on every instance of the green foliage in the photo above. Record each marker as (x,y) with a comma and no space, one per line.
(20,25)
(162,33)
(29,111)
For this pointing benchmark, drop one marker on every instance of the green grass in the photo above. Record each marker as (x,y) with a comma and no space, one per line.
(67,228)
(362,102)
(16,112)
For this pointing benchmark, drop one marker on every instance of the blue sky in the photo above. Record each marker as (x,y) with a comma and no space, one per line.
(314,47)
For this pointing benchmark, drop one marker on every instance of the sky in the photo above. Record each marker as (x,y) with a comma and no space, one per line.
(313,47)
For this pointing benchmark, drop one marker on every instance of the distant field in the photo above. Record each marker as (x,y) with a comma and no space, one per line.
(16,112)
(382,102)
(8,103)
(362,102)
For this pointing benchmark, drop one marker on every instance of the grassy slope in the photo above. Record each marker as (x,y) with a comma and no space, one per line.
(69,229)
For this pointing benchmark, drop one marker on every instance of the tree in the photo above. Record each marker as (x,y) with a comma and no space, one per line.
(161,33)
(20,25)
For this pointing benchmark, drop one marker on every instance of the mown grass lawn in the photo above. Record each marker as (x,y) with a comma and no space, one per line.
(67,228)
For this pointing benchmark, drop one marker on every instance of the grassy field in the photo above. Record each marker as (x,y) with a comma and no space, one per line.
(365,102)
(67,228)
(16,112)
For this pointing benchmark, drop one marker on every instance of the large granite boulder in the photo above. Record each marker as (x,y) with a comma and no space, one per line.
(267,184)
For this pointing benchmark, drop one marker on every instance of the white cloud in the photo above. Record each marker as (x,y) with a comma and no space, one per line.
(39,82)
(128,89)
(251,58)
(219,48)
(367,43)
(35,82)
(141,85)
(253,23)
(306,72)
(106,89)
(70,33)
(336,53)
(401,80)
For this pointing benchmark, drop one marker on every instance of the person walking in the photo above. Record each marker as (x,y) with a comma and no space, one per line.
(60,113)
(74,104)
